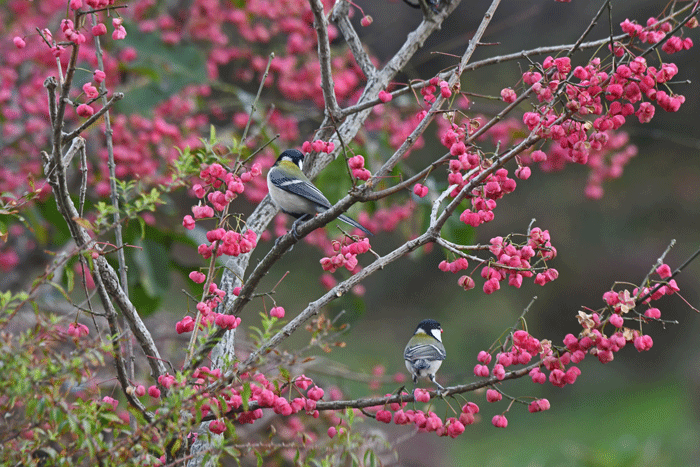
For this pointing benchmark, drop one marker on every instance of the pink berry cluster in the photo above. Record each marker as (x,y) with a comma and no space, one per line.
(523,347)
(208,315)
(513,261)
(428,422)
(655,31)
(592,338)
(428,92)
(77,330)
(605,95)
(267,395)
(483,197)
(357,166)
(346,254)
(220,187)
(317,146)
(299,396)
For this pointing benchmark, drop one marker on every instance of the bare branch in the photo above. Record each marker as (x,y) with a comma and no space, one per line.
(324,58)
(117,96)
(339,15)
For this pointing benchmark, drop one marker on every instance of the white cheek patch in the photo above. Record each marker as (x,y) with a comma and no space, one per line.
(437,334)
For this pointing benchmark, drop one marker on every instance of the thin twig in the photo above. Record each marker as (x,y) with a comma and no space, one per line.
(324,58)
(253,106)
(107,104)
(678,270)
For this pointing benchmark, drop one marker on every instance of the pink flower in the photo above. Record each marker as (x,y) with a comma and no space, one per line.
(482,370)
(99,29)
(277,312)
(315,393)
(508,95)
(90,90)
(616,320)
(455,428)
(356,162)
(384,416)
(166,380)
(385,96)
(217,426)
(361,174)
(493,396)
(421,395)
(85,110)
(499,421)
(197,277)
(401,418)
(420,190)
(664,271)
(188,222)
(111,402)
(119,31)
(303,382)
(538,405)
(154,392)
(470,407)
(484,357)
(653,313)
(202,212)
(332,431)
(445,91)
(466,282)
(98,76)
(366,20)
(642,343)
(77,330)
(19,42)
(523,173)
(537,376)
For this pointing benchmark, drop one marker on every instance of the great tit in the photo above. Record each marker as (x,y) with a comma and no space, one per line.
(294,194)
(424,352)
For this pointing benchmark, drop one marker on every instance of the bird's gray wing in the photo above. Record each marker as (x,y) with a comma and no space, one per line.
(425,352)
(303,188)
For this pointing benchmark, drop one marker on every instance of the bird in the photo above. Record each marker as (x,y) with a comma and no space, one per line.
(424,352)
(295,195)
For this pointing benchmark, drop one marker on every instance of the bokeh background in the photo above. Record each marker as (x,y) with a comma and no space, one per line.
(642,409)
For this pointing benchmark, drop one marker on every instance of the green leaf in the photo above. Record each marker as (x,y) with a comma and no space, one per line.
(70,279)
(245,394)
(285,373)
(351,416)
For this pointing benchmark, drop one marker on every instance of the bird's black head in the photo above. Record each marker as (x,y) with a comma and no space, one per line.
(428,326)
(292,155)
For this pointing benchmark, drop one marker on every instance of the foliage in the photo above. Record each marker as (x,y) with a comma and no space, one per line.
(122,135)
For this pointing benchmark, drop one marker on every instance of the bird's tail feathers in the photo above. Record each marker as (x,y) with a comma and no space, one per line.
(354,223)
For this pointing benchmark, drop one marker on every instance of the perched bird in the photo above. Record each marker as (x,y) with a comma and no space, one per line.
(294,194)
(424,352)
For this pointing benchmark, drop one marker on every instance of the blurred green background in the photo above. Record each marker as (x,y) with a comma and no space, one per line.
(642,409)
